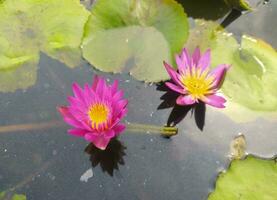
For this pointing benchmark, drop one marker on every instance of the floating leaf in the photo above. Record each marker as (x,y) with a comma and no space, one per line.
(8,196)
(250,82)
(30,26)
(19,197)
(136,35)
(249,179)
(18,78)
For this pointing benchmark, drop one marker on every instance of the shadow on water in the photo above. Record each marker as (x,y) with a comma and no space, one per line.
(231,17)
(209,10)
(108,159)
(178,112)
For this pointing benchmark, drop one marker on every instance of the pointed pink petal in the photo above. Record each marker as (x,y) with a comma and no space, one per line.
(95,82)
(88,96)
(122,114)
(181,65)
(77,90)
(205,60)
(100,141)
(219,73)
(119,128)
(63,110)
(175,88)
(172,73)
(214,100)
(77,132)
(119,106)
(196,56)
(185,56)
(118,95)
(69,118)
(100,86)
(76,103)
(114,87)
(185,100)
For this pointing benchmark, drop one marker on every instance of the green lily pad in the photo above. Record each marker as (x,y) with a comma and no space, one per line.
(19,78)
(135,35)
(250,82)
(19,197)
(248,179)
(4,196)
(30,26)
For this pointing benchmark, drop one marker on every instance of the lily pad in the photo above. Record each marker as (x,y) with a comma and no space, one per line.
(135,35)
(4,196)
(248,179)
(250,83)
(30,26)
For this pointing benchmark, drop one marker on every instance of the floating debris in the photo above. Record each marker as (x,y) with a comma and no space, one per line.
(238,147)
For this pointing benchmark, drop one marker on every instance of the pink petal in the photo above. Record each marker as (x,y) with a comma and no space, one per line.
(74,119)
(123,113)
(77,132)
(114,87)
(100,141)
(185,100)
(63,110)
(205,60)
(219,73)
(172,73)
(76,103)
(196,56)
(100,86)
(118,95)
(185,56)
(88,95)
(119,128)
(214,100)
(175,88)
(119,106)
(95,82)
(181,65)
(77,90)
(69,118)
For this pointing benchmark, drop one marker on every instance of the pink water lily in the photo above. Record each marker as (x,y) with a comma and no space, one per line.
(95,112)
(194,81)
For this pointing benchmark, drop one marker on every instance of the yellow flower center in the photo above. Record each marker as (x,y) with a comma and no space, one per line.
(98,114)
(197,83)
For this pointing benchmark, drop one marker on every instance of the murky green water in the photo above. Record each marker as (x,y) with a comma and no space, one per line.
(49,164)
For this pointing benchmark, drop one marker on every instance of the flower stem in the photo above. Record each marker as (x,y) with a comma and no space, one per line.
(165,131)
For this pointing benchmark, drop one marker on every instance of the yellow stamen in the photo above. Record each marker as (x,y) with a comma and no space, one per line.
(197,83)
(98,114)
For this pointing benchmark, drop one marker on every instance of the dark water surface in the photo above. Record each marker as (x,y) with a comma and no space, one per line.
(48,164)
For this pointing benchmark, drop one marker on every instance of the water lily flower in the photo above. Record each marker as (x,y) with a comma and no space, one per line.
(95,112)
(194,81)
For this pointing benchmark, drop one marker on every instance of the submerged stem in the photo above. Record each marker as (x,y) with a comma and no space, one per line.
(30,126)
(132,127)
(165,131)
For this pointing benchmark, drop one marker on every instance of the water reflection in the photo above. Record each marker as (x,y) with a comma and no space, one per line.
(178,112)
(110,158)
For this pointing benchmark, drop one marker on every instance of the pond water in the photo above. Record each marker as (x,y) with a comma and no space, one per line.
(45,163)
